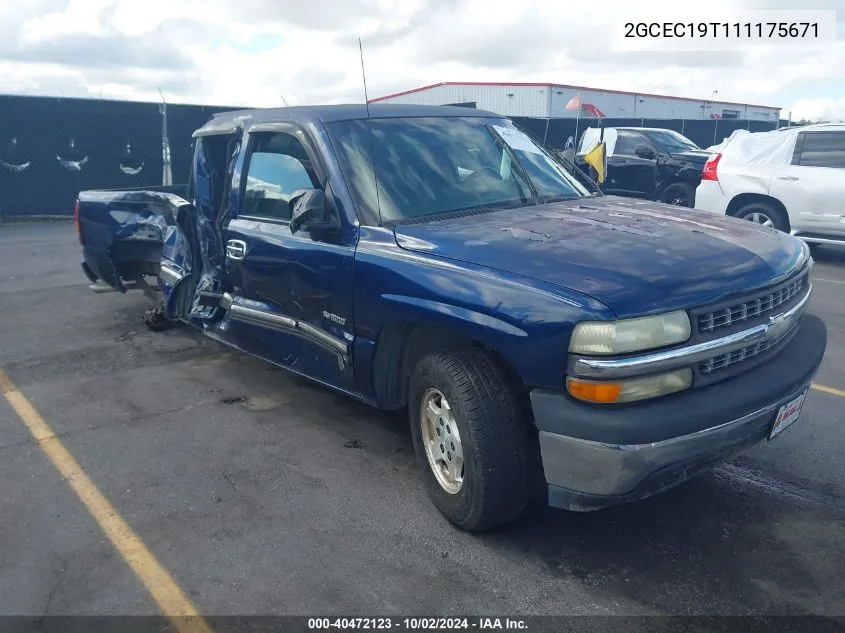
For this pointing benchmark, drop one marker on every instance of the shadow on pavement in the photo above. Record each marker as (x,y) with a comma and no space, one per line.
(826,254)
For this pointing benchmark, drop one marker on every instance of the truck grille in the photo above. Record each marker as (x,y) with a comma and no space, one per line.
(724,317)
(722,361)
(737,356)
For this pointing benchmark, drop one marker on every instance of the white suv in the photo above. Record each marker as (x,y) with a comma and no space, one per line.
(792,179)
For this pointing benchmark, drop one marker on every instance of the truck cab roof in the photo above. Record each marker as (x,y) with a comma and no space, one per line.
(229,122)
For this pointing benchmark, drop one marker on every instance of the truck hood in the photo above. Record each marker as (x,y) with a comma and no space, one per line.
(636,257)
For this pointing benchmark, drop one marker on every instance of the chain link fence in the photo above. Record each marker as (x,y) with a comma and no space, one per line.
(52,148)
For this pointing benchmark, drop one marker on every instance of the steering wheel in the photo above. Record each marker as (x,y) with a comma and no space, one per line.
(488,172)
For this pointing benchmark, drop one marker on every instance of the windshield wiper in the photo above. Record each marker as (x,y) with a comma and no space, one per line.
(498,204)
(560,198)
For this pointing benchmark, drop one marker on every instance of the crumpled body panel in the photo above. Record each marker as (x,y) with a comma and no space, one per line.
(132,234)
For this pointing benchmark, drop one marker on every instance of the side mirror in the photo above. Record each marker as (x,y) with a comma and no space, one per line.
(644,152)
(309,211)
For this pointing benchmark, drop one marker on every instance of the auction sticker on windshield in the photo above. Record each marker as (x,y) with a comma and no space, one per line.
(517,140)
(788,414)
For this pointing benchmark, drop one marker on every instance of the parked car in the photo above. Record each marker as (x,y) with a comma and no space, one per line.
(792,179)
(650,163)
(437,260)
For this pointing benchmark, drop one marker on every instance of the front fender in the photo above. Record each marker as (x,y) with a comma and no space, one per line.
(528,323)
(461,319)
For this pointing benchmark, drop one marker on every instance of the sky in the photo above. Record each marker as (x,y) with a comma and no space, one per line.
(273,52)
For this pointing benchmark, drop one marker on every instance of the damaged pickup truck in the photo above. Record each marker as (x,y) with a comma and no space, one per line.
(436,259)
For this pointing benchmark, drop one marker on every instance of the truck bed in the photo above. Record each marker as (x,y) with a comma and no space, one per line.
(124,231)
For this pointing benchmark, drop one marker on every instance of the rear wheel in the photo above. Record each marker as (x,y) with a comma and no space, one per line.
(470,438)
(764,214)
(680,194)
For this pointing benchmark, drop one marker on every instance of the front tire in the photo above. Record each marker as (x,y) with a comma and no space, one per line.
(470,438)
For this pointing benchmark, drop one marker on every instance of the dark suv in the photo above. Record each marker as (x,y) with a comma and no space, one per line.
(651,163)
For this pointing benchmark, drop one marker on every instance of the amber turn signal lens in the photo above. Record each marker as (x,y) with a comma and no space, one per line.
(606,392)
(630,389)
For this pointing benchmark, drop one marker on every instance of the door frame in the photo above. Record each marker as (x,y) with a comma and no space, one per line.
(249,138)
(248,310)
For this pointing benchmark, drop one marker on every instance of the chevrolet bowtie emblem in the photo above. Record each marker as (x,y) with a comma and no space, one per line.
(778,326)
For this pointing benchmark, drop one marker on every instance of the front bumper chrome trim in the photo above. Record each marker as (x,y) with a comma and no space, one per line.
(774,329)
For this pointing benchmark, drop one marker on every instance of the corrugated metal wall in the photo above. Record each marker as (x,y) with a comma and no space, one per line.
(508,101)
(542,101)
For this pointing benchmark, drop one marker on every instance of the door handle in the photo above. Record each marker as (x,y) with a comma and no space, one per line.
(236,249)
(787,177)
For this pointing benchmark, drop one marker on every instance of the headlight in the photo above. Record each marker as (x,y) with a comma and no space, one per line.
(630,335)
(630,389)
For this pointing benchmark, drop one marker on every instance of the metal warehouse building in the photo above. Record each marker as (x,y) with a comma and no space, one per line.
(549,100)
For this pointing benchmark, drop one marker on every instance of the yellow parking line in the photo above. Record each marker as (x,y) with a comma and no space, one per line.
(163,589)
(831,390)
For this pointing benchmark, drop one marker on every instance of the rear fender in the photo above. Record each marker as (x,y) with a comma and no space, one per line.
(154,237)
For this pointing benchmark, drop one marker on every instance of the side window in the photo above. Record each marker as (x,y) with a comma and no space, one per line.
(822,149)
(278,166)
(627,143)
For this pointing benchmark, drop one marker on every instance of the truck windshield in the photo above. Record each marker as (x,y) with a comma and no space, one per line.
(668,141)
(433,165)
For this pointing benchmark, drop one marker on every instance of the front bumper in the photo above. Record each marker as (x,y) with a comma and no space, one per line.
(596,456)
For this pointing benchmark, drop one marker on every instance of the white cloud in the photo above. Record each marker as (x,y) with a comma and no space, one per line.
(818,109)
(79,17)
(254,52)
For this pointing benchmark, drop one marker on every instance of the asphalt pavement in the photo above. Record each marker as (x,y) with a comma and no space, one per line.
(263,494)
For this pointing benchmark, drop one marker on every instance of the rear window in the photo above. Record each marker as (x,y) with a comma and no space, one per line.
(821,149)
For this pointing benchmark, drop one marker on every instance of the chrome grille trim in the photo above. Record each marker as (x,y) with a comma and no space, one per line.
(722,361)
(724,317)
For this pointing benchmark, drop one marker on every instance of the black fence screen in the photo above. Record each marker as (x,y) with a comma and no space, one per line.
(51,148)
(702,132)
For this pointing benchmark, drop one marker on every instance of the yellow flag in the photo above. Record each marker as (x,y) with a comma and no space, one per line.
(596,159)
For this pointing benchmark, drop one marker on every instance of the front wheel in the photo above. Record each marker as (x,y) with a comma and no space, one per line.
(470,438)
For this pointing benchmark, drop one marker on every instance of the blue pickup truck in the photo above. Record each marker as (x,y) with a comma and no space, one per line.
(540,334)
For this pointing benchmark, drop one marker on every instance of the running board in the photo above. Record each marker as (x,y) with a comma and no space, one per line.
(821,240)
(815,238)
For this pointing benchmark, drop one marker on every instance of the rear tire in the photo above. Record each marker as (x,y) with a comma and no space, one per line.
(466,389)
(680,194)
(764,214)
